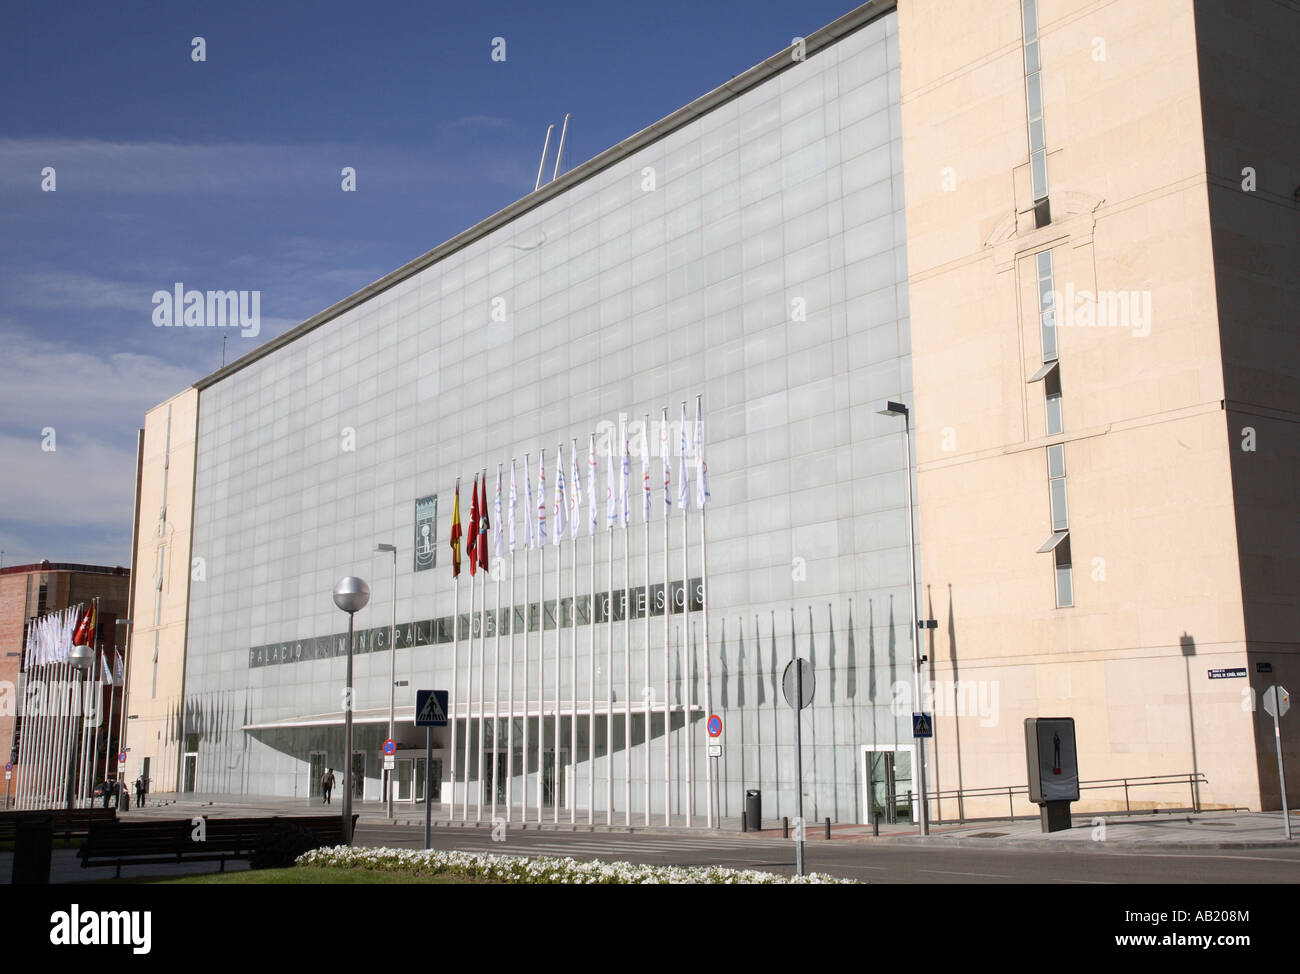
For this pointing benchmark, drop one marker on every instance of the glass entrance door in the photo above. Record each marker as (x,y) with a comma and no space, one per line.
(402,779)
(435,779)
(358,774)
(500,758)
(887,779)
(548,779)
(315,771)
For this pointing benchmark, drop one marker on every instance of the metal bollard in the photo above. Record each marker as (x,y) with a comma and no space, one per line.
(785,826)
(875,825)
(828,826)
(744,824)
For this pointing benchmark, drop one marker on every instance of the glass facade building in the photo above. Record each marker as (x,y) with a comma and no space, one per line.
(752,255)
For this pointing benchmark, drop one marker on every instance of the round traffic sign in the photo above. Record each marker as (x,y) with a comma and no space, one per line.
(9,765)
(715,725)
(390,746)
(121,756)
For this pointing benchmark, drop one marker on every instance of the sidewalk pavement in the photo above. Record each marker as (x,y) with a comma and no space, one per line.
(1131,832)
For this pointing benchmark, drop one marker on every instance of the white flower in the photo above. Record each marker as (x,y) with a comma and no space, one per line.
(538,869)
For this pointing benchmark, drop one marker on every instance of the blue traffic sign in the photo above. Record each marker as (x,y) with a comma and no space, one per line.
(390,746)
(715,725)
(430,708)
(922,725)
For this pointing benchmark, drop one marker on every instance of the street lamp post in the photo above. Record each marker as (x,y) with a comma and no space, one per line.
(350,595)
(890,408)
(82,659)
(392,676)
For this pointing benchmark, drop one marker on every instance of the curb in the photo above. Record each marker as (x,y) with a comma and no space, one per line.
(1088,846)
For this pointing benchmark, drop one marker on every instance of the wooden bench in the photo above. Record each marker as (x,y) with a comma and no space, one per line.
(178,840)
(70,823)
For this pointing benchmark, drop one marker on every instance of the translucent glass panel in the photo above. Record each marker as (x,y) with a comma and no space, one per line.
(1060,514)
(1047,306)
(1034,101)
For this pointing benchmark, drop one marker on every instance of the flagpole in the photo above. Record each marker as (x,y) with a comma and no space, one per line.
(455,648)
(66,689)
(627,677)
(610,510)
(703,497)
(58,766)
(687,673)
(590,654)
(575,512)
(647,690)
(510,680)
(482,656)
(627,639)
(591,640)
(108,728)
(38,735)
(541,632)
(34,736)
(668,754)
(541,673)
(528,544)
(496,657)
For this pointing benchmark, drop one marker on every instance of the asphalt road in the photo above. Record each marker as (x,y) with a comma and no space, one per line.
(876,862)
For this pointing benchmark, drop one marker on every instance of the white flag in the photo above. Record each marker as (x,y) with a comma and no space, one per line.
(557,534)
(645,466)
(665,451)
(591,484)
(496,527)
(528,505)
(627,462)
(575,492)
(514,502)
(118,677)
(702,495)
(683,471)
(105,675)
(541,499)
(611,504)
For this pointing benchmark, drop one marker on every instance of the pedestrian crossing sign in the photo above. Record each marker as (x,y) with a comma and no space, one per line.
(430,708)
(922,725)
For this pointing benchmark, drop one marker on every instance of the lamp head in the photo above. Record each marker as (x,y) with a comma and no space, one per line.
(351,594)
(890,408)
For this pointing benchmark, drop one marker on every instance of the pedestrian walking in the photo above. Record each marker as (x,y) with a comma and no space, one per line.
(327,784)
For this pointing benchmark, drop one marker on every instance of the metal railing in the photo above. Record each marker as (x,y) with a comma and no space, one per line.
(1193,780)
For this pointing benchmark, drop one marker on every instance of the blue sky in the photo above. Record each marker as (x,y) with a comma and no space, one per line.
(226,174)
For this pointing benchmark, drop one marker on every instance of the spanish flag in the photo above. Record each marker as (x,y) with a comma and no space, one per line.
(84,635)
(455,533)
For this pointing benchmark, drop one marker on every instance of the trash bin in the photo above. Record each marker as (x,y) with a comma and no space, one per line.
(753,810)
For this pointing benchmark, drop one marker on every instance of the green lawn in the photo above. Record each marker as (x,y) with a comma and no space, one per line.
(296,875)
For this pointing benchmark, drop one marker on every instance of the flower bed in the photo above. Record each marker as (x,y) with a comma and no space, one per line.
(539,869)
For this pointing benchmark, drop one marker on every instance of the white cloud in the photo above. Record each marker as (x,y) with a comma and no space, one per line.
(74,503)
(160,168)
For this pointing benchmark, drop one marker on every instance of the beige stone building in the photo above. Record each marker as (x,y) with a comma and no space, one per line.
(1151,447)
(155,732)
